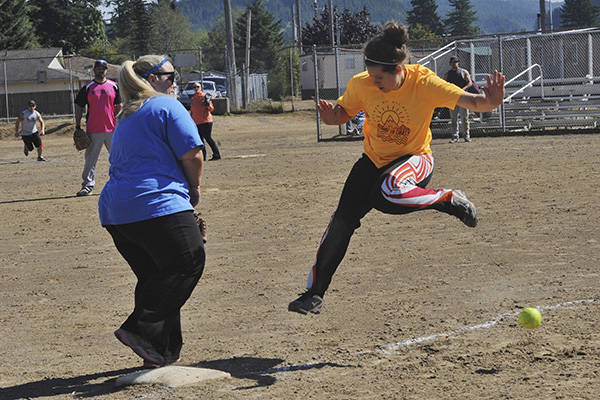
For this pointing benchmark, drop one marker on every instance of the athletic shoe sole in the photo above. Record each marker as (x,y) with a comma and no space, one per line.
(311,304)
(139,346)
(464,209)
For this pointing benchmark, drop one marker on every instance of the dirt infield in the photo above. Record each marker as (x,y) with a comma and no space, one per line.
(422,307)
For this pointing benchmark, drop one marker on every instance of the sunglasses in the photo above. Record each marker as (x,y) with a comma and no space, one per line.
(171,76)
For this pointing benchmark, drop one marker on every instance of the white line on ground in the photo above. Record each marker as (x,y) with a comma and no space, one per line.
(390,348)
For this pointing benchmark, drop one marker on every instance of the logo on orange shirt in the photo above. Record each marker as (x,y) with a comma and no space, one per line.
(391,123)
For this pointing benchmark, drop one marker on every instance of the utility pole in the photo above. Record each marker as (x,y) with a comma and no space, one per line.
(550,12)
(299,26)
(247,58)
(331,29)
(542,26)
(231,54)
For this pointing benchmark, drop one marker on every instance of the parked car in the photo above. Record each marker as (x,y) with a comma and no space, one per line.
(187,93)
(480,79)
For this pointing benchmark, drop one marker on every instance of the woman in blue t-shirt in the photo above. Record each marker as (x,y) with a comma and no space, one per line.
(147,206)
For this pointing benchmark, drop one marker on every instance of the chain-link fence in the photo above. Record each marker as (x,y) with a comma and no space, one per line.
(43,75)
(53,79)
(536,65)
(570,57)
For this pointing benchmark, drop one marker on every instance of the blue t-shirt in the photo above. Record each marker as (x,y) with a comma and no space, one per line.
(146,175)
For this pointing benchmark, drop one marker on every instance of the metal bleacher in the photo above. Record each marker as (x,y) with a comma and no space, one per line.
(538,99)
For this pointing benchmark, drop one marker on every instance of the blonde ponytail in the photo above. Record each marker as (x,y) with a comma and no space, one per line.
(134,89)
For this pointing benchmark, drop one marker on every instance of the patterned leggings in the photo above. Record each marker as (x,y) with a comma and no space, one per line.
(398,188)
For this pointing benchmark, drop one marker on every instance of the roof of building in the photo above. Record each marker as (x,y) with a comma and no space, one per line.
(26,65)
(85,65)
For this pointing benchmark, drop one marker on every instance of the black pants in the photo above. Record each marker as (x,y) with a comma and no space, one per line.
(205,131)
(32,140)
(167,256)
(361,193)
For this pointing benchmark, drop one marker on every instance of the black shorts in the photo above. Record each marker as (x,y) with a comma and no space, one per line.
(32,140)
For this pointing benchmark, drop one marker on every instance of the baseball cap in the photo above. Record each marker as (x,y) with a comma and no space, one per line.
(31,103)
(100,63)
(453,59)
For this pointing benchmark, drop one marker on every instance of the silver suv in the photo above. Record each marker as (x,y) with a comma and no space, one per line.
(187,93)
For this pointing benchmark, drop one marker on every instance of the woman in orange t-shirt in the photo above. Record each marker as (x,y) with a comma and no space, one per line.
(201,108)
(392,174)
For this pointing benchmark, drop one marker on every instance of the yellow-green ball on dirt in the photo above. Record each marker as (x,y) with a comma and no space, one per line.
(530,318)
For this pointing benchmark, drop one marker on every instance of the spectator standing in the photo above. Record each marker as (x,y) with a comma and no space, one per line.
(147,206)
(101,98)
(461,78)
(201,108)
(29,132)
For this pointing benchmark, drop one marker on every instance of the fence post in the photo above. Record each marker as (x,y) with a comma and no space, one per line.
(292,78)
(590,58)
(501,59)
(317,92)
(337,78)
(529,76)
(6,88)
(71,88)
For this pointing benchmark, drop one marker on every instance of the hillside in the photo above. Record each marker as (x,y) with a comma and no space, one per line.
(493,15)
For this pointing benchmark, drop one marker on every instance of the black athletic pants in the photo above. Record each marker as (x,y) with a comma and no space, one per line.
(205,131)
(167,256)
(361,193)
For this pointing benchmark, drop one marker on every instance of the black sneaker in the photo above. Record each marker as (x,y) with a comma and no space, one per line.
(139,346)
(463,209)
(40,158)
(84,192)
(453,140)
(25,150)
(307,302)
(468,139)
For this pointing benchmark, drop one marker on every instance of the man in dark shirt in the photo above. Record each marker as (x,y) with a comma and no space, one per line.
(461,78)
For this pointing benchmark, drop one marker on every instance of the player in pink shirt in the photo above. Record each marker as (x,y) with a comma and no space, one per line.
(102,99)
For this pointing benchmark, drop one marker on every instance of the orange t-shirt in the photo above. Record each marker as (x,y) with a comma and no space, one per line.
(201,113)
(397,122)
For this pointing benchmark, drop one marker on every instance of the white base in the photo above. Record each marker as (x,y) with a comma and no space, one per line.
(172,376)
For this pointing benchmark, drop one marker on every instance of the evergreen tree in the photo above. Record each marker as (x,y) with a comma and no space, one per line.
(16,31)
(70,24)
(354,28)
(578,14)
(460,20)
(266,38)
(130,24)
(171,30)
(424,13)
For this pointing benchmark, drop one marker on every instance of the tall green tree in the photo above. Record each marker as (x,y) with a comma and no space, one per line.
(171,30)
(16,31)
(266,38)
(214,43)
(578,14)
(424,13)
(130,26)
(70,24)
(461,19)
(354,28)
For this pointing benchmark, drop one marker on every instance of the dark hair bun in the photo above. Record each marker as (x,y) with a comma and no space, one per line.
(394,34)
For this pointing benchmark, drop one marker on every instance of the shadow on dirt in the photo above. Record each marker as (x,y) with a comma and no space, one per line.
(260,369)
(77,386)
(44,198)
